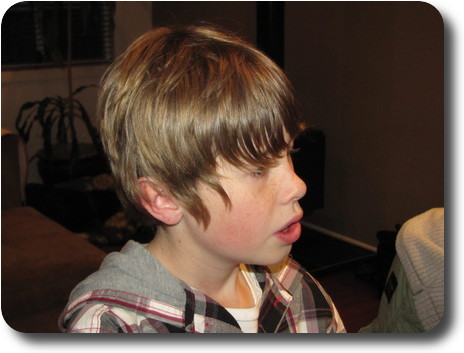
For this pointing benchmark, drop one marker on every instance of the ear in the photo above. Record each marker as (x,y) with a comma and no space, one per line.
(158,202)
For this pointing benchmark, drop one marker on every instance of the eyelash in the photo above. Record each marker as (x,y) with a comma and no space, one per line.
(260,172)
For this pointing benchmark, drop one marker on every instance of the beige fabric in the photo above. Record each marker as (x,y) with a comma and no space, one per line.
(420,247)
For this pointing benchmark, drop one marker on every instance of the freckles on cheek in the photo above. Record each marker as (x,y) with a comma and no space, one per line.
(233,227)
(234,230)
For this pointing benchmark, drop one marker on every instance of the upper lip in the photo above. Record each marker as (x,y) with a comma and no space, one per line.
(295,219)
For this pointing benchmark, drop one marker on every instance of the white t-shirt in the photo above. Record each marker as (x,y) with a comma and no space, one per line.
(248,318)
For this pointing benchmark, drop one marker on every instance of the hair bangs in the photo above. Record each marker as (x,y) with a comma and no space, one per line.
(264,122)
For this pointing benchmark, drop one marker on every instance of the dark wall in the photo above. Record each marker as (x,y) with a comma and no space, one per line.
(370,75)
(236,16)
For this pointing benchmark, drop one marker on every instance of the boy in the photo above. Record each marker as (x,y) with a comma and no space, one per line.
(198,127)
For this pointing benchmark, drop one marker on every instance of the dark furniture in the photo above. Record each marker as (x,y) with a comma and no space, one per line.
(41,264)
(41,260)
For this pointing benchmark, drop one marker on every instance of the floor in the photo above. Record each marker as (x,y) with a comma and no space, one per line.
(356,300)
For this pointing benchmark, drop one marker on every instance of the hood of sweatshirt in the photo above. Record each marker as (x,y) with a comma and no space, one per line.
(134,270)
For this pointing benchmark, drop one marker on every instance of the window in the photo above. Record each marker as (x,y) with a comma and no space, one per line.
(35,33)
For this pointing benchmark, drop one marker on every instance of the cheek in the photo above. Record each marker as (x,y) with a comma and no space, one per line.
(246,222)
(234,224)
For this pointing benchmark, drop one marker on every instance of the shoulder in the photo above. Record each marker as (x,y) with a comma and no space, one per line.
(427,227)
(97,318)
(100,317)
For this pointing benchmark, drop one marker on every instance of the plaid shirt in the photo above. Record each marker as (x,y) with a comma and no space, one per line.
(292,302)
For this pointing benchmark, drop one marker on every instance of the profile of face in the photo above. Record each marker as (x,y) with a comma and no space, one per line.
(261,223)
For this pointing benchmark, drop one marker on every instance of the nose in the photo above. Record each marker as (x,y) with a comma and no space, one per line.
(295,187)
(300,187)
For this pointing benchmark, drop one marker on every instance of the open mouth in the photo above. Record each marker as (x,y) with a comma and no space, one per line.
(290,234)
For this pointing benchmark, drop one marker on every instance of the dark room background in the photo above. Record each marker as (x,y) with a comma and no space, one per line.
(369,75)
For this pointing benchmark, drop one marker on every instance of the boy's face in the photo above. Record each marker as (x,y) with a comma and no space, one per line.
(262,222)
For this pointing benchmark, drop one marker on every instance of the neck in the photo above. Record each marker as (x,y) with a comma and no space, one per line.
(221,281)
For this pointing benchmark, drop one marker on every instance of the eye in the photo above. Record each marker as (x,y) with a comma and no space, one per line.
(258,172)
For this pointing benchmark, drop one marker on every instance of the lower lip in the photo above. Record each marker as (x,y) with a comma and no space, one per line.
(291,235)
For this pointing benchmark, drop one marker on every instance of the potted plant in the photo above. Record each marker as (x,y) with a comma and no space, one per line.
(62,156)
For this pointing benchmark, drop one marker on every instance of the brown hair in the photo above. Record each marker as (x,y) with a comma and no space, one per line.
(178,99)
